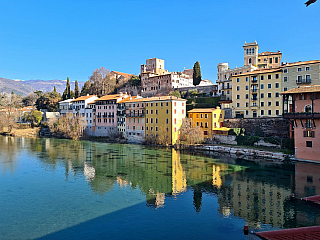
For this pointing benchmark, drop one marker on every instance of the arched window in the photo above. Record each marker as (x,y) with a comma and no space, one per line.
(250,61)
(308,109)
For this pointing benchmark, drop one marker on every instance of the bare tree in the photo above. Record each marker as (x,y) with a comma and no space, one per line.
(10,110)
(190,134)
(101,83)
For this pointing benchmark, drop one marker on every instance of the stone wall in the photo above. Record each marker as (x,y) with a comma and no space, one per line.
(264,127)
(224,139)
(201,89)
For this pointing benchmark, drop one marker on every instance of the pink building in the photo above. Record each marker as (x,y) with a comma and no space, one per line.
(302,106)
(106,114)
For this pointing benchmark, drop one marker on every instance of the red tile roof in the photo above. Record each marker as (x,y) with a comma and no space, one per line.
(259,71)
(82,98)
(303,89)
(300,63)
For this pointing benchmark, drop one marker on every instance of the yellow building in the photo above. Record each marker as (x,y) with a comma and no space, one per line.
(164,116)
(209,119)
(257,94)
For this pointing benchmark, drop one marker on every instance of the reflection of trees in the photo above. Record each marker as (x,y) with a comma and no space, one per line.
(9,147)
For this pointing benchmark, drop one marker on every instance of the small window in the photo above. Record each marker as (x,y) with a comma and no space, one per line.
(262,112)
(269,85)
(238,88)
(285,79)
(262,95)
(262,77)
(269,76)
(277,76)
(262,86)
(238,79)
(269,112)
(307,68)
(285,70)
(247,87)
(238,96)
(269,95)
(309,144)
(277,85)
(299,69)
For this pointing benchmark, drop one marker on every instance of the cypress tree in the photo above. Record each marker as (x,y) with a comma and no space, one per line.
(196,74)
(66,93)
(54,89)
(76,90)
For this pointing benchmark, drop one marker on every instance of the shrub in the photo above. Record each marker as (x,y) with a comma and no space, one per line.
(247,140)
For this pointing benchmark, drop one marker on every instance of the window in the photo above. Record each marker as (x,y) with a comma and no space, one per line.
(175,104)
(167,111)
(175,111)
(147,120)
(206,125)
(262,77)
(269,104)
(201,115)
(277,112)
(197,115)
(238,96)
(206,115)
(167,121)
(285,70)
(276,60)
(147,111)
(156,129)
(262,86)
(238,104)
(161,105)
(277,103)
(247,79)
(277,85)
(262,95)
(197,124)
(262,112)
(151,104)
(307,68)
(175,121)
(269,85)
(309,144)
(269,112)
(308,134)
(156,104)
(285,79)
(214,116)
(167,104)
(151,120)
(156,120)
(299,69)
(270,60)
(269,95)
(247,96)
(157,111)
(269,76)
(201,124)
(247,87)
(247,104)
(285,89)
(238,79)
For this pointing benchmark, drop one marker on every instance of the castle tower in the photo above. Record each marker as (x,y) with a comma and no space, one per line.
(251,53)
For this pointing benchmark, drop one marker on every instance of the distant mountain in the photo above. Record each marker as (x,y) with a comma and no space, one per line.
(17,86)
(47,86)
(24,87)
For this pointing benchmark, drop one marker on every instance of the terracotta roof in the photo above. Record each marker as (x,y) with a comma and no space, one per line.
(108,97)
(300,63)
(82,98)
(200,110)
(259,71)
(152,99)
(266,53)
(128,99)
(122,74)
(303,89)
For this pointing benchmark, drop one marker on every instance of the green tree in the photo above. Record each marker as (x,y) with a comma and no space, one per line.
(76,89)
(49,101)
(135,81)
(175,93)
(86,88)
(67,93)
(196,74)
(34,117)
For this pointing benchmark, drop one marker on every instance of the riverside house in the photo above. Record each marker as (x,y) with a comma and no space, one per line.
(302,106)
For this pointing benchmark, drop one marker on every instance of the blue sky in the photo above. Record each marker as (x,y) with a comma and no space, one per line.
(59,39)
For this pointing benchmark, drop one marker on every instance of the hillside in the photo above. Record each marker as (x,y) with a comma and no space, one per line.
(24,87)
(17,86)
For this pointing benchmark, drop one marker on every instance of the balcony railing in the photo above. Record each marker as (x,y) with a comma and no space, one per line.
(301,81)
(135,115)
(254,81)
(301,115)
(254,90)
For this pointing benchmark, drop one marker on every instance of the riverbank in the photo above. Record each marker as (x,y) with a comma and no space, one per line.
(27,132)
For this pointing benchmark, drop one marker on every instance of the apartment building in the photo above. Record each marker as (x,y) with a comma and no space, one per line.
(164,116)
(79,104)
(300,74)
(302,106)
(208,119)
(257,94)
(65,107)
(135,120)
(106,114)
(269,59)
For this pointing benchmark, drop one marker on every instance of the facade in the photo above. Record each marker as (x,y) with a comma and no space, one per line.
(300,74)
(208,119)
(257,94)
(251,53)
(65,107)
(79,104)
(90,117)
(164,116)
(269,59)
(135,120)
(106,114)
(302,106)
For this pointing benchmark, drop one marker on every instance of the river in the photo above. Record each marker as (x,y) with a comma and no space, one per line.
(63,189)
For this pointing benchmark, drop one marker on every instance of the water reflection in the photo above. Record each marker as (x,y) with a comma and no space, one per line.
(258,193)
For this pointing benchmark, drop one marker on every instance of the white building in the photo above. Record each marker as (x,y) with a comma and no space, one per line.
(65,107)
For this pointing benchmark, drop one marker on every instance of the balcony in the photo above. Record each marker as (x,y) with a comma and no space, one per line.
(110,116)
(254,90)
(226,88)
(301,115)
(302,81)
(135,115)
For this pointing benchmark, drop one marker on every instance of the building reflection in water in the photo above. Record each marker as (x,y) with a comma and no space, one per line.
(258,193)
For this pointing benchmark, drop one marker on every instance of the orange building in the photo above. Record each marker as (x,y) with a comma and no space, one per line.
(302,106)
(209,119)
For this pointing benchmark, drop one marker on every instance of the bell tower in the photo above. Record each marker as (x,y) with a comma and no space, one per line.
(251,53)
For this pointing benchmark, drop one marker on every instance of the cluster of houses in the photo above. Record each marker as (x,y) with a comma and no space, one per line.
(263,87)
(137,118)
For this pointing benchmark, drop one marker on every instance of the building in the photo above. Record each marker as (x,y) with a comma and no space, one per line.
(135,120)
(269,59)
(257,94)
(65,107)
(155,80)
(208,119)
(106,114)
(79,104)
(300,74)
(302,106)
(164,116)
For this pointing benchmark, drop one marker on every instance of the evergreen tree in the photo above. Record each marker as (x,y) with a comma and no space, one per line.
(76,89)
(196,74)
(66,93)
(86,89)
(54,89)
